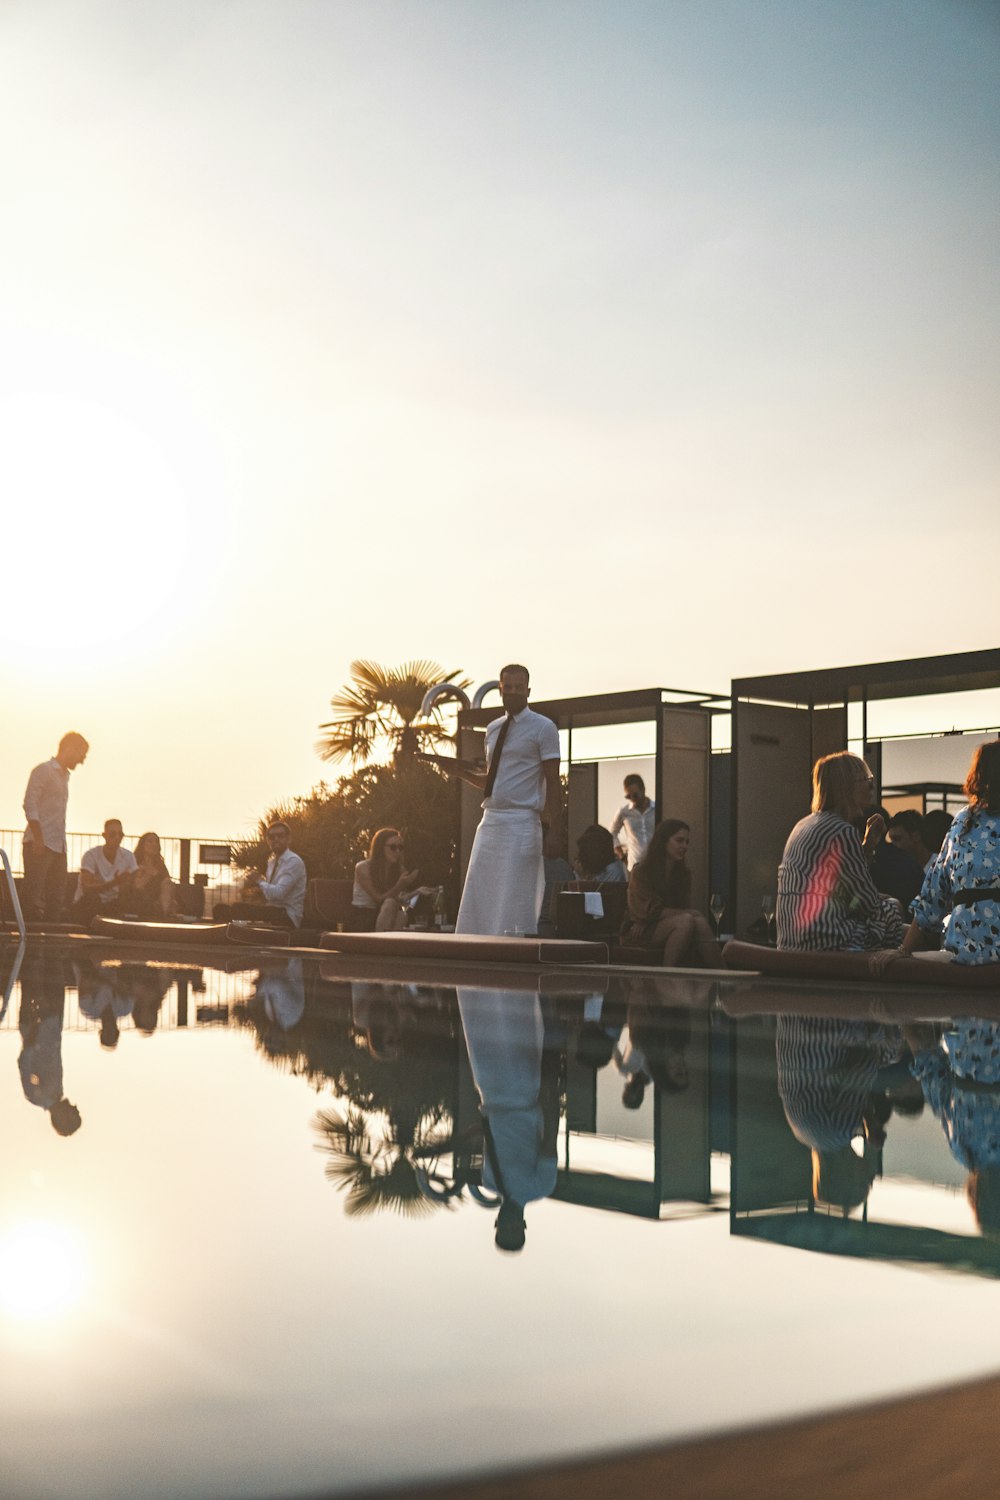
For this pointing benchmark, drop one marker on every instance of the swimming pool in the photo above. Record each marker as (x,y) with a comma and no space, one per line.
(266,1261)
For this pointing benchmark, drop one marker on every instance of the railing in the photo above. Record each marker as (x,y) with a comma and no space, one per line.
(183,858)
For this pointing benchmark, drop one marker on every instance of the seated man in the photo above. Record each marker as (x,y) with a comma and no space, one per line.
(895,873)
(277,900)
(906,831)
(106,873)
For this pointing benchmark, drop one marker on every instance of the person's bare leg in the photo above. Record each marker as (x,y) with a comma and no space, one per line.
(709,948)
(674,931)
(391,917)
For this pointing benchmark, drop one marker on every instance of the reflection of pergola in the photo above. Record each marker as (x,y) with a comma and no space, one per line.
(682,720)
(782,723)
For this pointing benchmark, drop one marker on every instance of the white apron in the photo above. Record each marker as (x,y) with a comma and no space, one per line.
(505,880)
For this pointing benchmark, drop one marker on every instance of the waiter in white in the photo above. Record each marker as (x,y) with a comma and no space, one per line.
(522,812)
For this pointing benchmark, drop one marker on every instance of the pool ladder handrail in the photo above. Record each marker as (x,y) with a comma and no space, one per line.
(14,898)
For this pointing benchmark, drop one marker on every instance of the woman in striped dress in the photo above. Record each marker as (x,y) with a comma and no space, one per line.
(827,899)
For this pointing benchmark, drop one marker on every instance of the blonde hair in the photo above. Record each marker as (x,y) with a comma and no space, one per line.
(834,779)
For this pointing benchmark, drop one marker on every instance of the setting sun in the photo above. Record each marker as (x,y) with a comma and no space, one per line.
(42,1271)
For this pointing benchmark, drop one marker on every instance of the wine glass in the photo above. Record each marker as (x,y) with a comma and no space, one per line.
(717,907)
(768,906)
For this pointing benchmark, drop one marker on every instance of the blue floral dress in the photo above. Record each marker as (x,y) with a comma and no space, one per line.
(961,1083)
(969,861)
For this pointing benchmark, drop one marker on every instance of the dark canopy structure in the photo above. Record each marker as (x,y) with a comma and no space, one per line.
(682,718)
(783,722)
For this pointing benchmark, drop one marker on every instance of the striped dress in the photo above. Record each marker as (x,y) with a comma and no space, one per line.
(828,1071)
(827,899)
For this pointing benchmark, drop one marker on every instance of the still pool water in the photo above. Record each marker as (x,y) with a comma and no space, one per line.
(266,1259)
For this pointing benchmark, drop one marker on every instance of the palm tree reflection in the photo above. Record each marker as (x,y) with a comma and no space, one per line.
(380,1171)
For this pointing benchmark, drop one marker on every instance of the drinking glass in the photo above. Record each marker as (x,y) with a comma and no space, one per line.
(767,906)
(717,906)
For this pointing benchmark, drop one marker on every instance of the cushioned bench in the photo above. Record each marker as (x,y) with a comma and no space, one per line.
(465,947)
(122,928)
(791,963)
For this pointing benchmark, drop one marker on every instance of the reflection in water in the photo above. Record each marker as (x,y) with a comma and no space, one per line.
(396,1082)
(519,1101)
(847,1086)
(423,1098)
(105,997)
(40,1021)
(832,1077)
(42,1272)
(959,1072)
(280,992)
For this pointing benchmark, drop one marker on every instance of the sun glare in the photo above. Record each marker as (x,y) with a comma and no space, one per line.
(42,1271)
(96,525)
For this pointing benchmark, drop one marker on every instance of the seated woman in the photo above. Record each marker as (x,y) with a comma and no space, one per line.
(827,899)
(962,886)
(596,859)
(381,885)
(152,889)
(659,902)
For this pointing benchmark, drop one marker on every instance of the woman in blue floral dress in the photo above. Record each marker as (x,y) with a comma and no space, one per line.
(961,890)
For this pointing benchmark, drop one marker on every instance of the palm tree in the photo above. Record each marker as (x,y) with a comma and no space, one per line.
(382,703)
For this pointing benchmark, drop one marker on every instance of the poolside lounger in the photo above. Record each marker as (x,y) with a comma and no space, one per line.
(792,963)
(465,947)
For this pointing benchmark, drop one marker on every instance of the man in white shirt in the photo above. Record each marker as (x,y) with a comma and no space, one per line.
(522,815)
(44,845)
(637,819)
(283,887)
(105,876)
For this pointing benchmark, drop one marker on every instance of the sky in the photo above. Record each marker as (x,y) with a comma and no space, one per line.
(647,343)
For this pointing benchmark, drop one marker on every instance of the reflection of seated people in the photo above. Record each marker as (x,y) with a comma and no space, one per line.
(519,1099)
(960,1077)
(152,888)
(145,990)
(596,859)
(106,873)
(41,1022)
(101,1000)
(379,1013)
(652,1048)
(278,898)
(281,988)
(831,1078)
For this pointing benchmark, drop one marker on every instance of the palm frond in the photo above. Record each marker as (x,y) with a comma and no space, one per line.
(382,703)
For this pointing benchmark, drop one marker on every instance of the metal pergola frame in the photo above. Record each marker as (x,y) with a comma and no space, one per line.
(822,694)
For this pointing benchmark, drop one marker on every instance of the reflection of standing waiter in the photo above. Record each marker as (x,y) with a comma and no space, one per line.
(505,881)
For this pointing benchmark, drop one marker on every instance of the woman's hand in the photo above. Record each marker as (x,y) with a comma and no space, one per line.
(874,834)
(880,960)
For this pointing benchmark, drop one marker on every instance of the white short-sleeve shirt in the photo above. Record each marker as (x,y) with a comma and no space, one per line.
(96,862)
(520,784)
